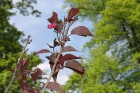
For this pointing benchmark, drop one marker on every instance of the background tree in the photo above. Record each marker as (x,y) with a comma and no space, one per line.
(10,37)
(114,62)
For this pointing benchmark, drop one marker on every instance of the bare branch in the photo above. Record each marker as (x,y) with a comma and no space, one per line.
(24,50)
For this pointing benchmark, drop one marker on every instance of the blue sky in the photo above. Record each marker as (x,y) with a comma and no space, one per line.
(37,28)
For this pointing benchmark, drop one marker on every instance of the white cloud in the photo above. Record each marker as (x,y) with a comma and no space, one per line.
(62,79)
(44,66)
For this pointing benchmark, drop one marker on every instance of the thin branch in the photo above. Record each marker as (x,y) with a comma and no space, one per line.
(52,70)
(55,63)
(15,70)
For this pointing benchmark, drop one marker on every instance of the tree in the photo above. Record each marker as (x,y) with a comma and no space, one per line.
(114,62)
(10,47)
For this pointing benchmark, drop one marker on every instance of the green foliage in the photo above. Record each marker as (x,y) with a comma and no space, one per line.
(113,65)
(10,47)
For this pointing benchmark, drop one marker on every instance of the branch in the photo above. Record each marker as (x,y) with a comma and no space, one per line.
(15,70)
(55,63)
(52,70)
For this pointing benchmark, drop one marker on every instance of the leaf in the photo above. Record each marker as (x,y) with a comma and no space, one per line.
(50,46)
(36,74)
(59,27)
(68,57)
(35,90)
(66,38)
(54,18)
(42,51)
(82,31)
(57,68)
(55,74)
(55,86)
(26,88)
(52,57)
(72,13)
(55,43)
(68,48)
(22,64)
(24,76)
(76,66)
(24,85)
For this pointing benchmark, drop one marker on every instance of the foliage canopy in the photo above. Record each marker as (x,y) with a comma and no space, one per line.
(114,62)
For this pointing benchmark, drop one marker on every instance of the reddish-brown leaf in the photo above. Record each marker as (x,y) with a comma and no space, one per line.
(55,43)
(72,13)
(55,74)
(24,76)
(82,31)
(52,57)
(50,46)
(35,90)
(68,48)
(30,91)
(36,74)
(54,18)
(66,38)
(55,86)
(76,66)
(24,85)
(22,64)
(59,27)
(57,68)
(42,51)
(68,57)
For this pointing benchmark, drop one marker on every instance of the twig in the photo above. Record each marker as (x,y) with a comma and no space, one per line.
(15,70)
(60,52)
(52,70)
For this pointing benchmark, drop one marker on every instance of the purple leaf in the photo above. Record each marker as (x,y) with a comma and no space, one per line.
(55,43)
(76,66)
(68,48)
(54,18)
(82,31)
(57,68)
(72,13)
(68,57)
(55,86)
(36,74)
(22,64)
(42,51)
(59,27)
(24,85)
